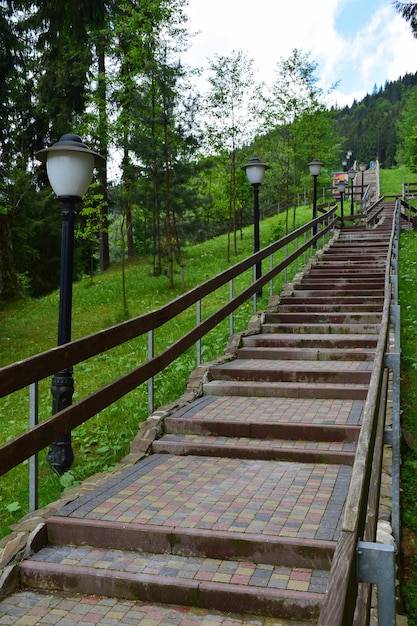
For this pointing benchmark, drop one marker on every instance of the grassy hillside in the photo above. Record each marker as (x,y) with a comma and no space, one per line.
(30,326)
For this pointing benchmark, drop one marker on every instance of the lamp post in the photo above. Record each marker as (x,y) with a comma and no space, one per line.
(362,168)
(69,165)
(348,155)
(315,167)
(255,171)
(341,187)
(351,176)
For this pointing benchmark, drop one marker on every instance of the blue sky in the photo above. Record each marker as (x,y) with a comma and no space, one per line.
(357,43)
(353,14)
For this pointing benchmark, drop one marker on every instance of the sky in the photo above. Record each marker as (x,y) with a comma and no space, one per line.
(356,43)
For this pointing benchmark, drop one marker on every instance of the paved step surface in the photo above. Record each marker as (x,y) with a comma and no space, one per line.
(234,516)
(240,532)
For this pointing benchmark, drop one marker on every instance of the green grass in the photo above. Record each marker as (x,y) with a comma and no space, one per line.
(408,301)
(391,183)
(29,327)
(391,180)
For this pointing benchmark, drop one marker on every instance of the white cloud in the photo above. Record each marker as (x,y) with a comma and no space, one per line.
(382,48)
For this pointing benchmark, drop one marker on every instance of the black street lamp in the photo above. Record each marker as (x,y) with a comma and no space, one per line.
(315,167)
(351,176)
(362,168)
(255,171)
(69,165)
(341,187)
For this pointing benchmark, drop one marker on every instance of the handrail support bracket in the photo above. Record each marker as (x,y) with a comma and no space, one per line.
(376,565)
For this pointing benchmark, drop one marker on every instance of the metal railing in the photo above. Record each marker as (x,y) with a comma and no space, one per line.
(29,372)
(356,552)
(357,557)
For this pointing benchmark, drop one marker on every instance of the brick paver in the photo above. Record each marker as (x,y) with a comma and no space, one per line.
(29,608)
(266,444)
(260,575)
(270,497)
(275,410)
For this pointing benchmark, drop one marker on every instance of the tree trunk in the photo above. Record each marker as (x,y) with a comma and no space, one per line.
(103,135)
(9,281)
(168,207)
(128,185)
(131,252)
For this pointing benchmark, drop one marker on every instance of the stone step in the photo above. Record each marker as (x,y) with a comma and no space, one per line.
(173,541)
(309,329)
(328,270)
(363,256)
(312,317)
(262,429)
(253,588)
(201,531)
(252,448)
(356,261)
(331,293)
(378,242)
(313,340)
(304,354)
(340,285)
(265,417)
(327,306)
(341,301)
(339,281)
(20,607)
(267,370)
(286,390)
(370,249)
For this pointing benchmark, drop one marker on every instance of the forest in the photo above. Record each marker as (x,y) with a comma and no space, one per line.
(112,72)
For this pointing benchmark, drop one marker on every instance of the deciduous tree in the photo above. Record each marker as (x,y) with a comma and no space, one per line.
(229,124)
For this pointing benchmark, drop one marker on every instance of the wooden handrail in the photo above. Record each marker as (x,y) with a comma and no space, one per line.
(21,374)
(408,206)
(360,513)
(35,368)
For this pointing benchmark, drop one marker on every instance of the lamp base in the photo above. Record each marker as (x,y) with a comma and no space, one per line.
(60,456)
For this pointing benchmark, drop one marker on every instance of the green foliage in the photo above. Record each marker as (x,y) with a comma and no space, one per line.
(128,89)
(391,182)
(370,126)
(407,132)
(299,127)
(408,300)
(90,224)
(13,507)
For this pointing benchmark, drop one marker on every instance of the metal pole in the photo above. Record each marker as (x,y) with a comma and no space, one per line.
(231,317)
(33,461)
(314,204)
(198,322)
(60,456)
(351,197)
(342,222)
(258,267)
(151,403)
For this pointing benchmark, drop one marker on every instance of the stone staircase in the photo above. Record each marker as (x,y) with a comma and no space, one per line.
(237,509)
